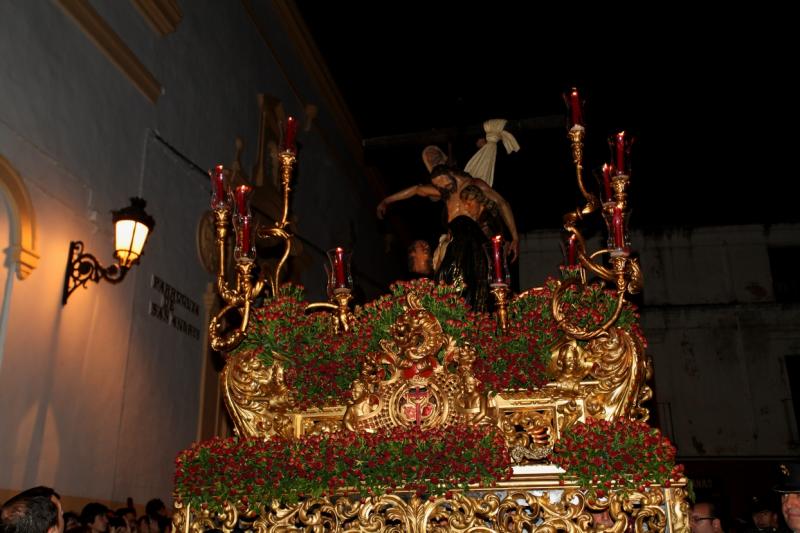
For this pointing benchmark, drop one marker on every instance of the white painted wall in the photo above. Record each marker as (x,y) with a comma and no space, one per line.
(717,337)
(97,397)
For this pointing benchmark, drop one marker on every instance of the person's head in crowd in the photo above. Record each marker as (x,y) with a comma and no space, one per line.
(601,518)
(117,524)
(155,508)
(95,516)
(704,518)
(143,524)
(164,524)
(128,514)
(789,491)
(36,510)
(764,511)
(71,520)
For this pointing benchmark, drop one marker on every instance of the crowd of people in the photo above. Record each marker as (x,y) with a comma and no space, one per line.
(776,510)
(39,510)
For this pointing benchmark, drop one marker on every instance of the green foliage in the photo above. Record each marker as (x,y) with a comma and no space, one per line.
(257,471)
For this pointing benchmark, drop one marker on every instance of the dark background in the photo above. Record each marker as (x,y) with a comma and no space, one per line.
(706,97)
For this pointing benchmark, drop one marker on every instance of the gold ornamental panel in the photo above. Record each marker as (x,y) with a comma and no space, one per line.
(535,505)
(604,378)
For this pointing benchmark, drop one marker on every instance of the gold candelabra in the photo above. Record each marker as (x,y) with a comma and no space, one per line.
(624,271)
(240,295)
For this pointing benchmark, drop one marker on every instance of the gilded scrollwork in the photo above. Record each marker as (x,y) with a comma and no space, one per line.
(417,338)
(529,433)
(256,395)
(547,509)
(620,367)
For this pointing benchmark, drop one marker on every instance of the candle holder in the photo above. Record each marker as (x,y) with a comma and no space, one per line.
(499,277)
(340,277)
(340,288)
(618,240)
(243,224)
(501,293)
(620,146)
(219,196)
(245,249)
(604,176)
(498,271)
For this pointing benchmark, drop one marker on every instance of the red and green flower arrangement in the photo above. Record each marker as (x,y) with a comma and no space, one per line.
(251,470)
(623,454)
(321,365)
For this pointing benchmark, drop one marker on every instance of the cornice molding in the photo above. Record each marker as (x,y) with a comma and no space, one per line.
(114,48)
(163,16)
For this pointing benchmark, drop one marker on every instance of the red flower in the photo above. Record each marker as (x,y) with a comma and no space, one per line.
(618,454)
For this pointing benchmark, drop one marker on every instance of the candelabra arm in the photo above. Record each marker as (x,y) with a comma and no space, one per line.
(576,135)
(586,261)
(598,270)
(341,316)
(263,232)
(223,342)
(577,331)
(240,299)
(228,295)
(288,160)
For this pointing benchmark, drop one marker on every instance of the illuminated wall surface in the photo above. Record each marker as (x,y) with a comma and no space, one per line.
(99,395)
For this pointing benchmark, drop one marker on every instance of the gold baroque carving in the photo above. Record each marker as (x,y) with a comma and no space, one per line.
(546,509)
(406,386)
(114,48)
(23,227)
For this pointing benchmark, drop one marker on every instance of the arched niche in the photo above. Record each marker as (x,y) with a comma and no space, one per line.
(23,223)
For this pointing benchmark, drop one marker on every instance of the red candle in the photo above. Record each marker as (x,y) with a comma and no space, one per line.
(619,230)
(338,268)
(497,255)
(244,245)
(291,132)
(571,251)
(217,187)
(607,180)
(575,107)
(242,193)
(621,152)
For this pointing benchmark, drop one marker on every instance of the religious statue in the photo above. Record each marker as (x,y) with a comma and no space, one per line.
(467,200)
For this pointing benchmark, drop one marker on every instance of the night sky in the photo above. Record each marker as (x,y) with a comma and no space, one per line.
(709,105)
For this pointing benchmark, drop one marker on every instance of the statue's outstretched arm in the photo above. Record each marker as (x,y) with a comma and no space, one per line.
(428,191)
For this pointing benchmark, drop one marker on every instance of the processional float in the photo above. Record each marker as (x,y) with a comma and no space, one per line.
(413,413)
